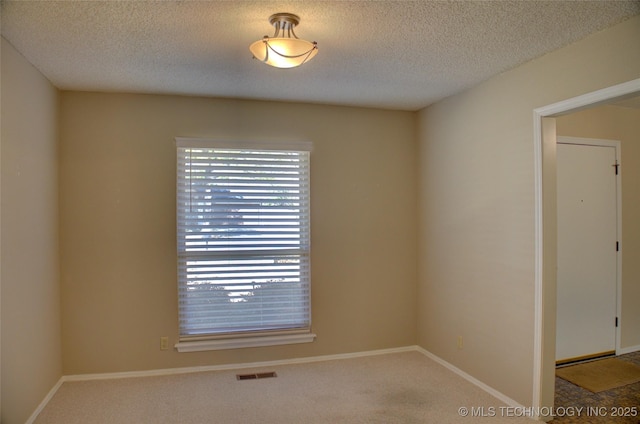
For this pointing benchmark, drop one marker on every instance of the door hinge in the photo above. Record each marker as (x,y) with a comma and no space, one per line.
(616,321)
(617,246)
(616,165)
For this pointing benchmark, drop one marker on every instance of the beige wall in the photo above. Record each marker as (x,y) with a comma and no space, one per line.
(117,185)
(477,207)
(623,124)
(31,350)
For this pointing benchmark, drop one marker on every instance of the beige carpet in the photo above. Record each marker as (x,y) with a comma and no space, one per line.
(394,388)
(601,375)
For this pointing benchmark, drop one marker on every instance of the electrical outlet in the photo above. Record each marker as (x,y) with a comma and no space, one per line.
(460,342)
(164,343)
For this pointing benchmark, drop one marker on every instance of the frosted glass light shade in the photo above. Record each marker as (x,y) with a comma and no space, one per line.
(283,52)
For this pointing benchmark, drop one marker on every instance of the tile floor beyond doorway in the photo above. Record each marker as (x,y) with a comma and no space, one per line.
(603,405)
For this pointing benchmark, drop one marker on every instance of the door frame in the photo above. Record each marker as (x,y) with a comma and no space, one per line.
(618,153)
(545,221)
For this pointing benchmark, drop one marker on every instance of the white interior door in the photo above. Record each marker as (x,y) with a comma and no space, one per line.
(587,250)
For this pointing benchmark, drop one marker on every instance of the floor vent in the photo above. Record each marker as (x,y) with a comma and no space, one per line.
(256,376)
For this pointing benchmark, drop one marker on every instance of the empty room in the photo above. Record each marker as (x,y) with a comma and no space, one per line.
(328,211)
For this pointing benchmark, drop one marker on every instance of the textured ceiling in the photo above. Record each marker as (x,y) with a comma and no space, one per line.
(386,54)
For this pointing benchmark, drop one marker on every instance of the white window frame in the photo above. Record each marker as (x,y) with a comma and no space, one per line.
(215,340)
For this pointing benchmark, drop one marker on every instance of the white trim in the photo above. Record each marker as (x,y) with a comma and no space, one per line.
(226,367)
(188,370)
(260,143)
(564,139)
(242,342)
(595,98)
(565,106)
(493,392)
(630,349)
(45,401)
(538,335)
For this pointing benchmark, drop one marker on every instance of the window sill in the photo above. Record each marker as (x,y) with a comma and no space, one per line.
(242,342)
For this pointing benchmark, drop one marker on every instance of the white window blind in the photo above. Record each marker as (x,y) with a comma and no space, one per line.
(243,238)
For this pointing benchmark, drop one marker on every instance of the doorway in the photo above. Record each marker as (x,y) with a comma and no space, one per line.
(588,230)
(545,230)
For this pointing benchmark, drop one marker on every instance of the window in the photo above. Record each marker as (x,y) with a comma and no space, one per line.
(243,240)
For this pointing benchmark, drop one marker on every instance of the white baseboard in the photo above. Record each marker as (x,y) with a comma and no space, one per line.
(630,349)
(170,371)
(187,370)
(493,392)
(45,401)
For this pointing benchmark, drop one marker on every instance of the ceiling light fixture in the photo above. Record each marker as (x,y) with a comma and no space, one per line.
(284,49)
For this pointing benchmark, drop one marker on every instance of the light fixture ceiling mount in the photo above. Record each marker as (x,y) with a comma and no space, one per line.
(284,49)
